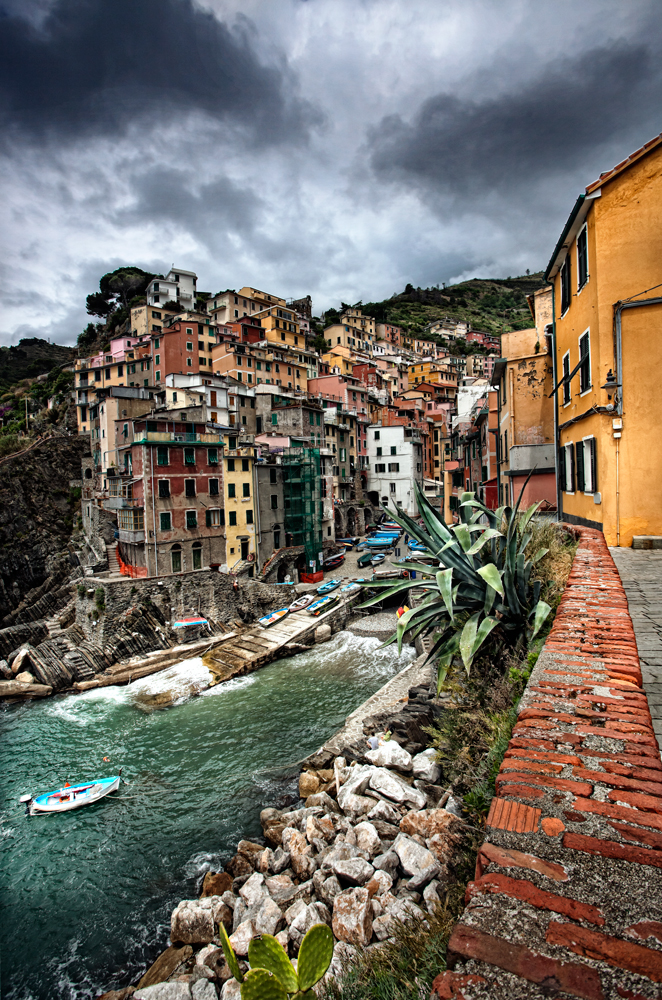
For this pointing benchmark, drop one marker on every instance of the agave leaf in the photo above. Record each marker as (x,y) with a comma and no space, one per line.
(445,584)
(485,537)
(526,517)
(467,640)
(538,556)
(230,957)
(492,577)
(541,612)
(484,630)
(463,536)
(418,567)
(490,594)
(524,540)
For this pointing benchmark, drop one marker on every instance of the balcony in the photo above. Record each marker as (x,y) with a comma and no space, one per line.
(165,437)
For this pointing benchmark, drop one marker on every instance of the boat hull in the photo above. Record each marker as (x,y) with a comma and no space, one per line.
(74,796)
(272,618)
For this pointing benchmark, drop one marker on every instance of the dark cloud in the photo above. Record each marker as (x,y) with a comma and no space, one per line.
(552,125)
(93,67)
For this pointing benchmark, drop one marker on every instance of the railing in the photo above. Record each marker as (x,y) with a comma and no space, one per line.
(158,437)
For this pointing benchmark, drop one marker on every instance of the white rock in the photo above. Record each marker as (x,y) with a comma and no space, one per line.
(281,888)
(381,882)
(352,803)
(328,889)
(282,938)
(25,677)
(231,990)
(242,936)
(431,896)
(265,861)
(205,953)
(377,908)
(367,839)
(240,914)
(343,954)
(352,917)
(229,899)
(392,787)
(414,859)
(253,890)
(385,812)
(164,991)
(280,861)
(267,917)
(425,767)
(356,871)
(314,913)
(400,910)
(341,852)
(294,910)
(302,861)
(192,921)
(454,806)
(387,862)
(204,990)
(391,754)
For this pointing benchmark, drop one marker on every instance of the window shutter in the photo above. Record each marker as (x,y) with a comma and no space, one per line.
(579,449)
(571,483)
(561,460)
(594,464)
(208,518)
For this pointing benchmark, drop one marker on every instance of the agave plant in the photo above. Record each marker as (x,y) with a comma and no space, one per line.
(271,975)
(482,581)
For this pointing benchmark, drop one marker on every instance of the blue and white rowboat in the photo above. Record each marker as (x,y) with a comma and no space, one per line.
(71,796)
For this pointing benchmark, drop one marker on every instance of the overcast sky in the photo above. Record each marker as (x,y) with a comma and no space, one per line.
(338,148)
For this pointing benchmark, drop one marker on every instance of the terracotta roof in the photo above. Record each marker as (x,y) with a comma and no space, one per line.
(638,153)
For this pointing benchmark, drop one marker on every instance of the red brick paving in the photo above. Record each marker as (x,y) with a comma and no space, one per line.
(589,852)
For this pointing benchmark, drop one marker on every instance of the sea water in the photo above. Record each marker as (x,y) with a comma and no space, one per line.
(86,896)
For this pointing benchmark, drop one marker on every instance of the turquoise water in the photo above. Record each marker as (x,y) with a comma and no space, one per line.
(86,896)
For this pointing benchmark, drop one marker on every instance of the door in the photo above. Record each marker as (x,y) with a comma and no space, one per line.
(176,561)
(197,558)
(244,550)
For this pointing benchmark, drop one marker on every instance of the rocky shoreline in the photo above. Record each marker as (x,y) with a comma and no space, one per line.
(372,842)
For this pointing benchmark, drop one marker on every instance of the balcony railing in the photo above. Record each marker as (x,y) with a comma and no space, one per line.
(164,437)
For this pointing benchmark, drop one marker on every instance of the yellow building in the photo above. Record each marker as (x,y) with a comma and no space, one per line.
(281,326)
(342,358)
(608,351)
(240,504)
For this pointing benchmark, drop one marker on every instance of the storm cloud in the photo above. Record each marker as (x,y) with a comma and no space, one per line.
(93,67)
(330,147)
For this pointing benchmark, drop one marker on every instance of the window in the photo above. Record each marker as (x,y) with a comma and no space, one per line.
(212,456)
(246,489)
(162,455)
(120,370)
(274,501)
(231,490)
(274,418)
(565,285)
(376,432)
(566,378)
(394,450)
(391,487)
(379,453)
(272,476)
(157,376)
(395,467)
(189,456)
(232,443)
(166,520)
(244,465)
(176,561)
(249,517)
(191,519)
(231,465)
(189,345)
(157,341)
(233,519)
(213,487)
(380,468)
(197,558)
(164,488)
(585,358)
(189,487)
(189,363)
(567,468)
(215,517)
(582,259)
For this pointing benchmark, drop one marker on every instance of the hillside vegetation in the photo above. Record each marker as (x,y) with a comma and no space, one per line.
(491,305)
(29,358)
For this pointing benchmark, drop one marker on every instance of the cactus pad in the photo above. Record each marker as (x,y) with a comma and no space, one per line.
(264,952)
(259,984)
(315,956)
(230,956)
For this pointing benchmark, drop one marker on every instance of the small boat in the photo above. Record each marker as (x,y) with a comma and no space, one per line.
(349,588)
(272,617)
(323,604)
(333,561)
(416,547)
(349,543)
(302,602)
(71,796)
(365,559)
(327,587)
(187,622)
(376,560)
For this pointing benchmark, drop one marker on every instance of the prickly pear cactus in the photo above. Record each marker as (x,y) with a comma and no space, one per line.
(264,952)
(230,956)
(315,955)
(259,984)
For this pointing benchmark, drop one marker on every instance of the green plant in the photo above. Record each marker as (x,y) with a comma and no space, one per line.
(81,589)
(272,976)
(100,598)
(476,587)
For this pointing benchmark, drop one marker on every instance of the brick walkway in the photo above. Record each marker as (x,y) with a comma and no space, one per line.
(567,896)
(641,576)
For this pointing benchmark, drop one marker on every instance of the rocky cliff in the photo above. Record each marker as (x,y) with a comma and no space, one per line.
(37,513)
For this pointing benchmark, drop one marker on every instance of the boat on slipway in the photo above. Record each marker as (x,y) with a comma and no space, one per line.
(272,617)
(71,796)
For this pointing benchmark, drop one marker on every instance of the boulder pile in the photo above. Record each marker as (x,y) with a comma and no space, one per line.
(372,842)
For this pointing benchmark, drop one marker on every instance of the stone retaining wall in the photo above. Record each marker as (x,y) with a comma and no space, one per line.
(567,896)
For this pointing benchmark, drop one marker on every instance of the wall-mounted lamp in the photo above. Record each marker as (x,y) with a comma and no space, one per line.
(611,382)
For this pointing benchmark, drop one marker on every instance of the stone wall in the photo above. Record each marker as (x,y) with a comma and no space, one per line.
(567,895)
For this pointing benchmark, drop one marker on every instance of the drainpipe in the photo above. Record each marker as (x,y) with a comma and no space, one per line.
(557,433)
(156,553)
